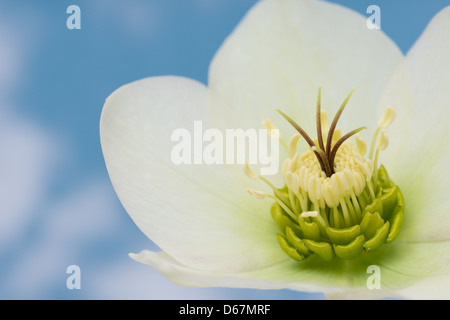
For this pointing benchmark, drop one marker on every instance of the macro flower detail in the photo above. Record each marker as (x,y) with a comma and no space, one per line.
(334,201)
(340,206)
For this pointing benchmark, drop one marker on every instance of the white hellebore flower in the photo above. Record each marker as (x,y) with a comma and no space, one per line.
(336,212)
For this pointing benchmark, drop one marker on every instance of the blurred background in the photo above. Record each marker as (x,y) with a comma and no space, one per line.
(57,205)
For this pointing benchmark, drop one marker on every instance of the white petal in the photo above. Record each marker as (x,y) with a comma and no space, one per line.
(283,50)
(199,214)
(269,277)
(419,154)
(432,288)
(406,270)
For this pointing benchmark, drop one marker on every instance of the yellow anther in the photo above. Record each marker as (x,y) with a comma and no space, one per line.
(314,188)
(369,167)
(309,214)
(365,167)
(339,183)
(249,172)
(385,121)
(295,186)
(252,175)
(336,188)
(303,177)
(329,196)
(324,119)
(361,145)
(337,134)
(349,176)
(274,133)
(345,183)
(292,181)
(257,194)
(383,141)
(294,162)
(360,183)
(271,128)
(284,167)
(293,144)
(387,117)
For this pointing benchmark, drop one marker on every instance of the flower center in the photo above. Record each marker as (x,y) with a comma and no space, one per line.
(335,202)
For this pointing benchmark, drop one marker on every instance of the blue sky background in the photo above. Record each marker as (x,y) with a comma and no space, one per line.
(57,206)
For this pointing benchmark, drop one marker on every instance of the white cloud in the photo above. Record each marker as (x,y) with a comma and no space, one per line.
(71,224)
(27,156)
(87,212)
(27,151)
(31,156)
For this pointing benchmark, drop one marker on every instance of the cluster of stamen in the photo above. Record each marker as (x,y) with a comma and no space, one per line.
(335,202)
